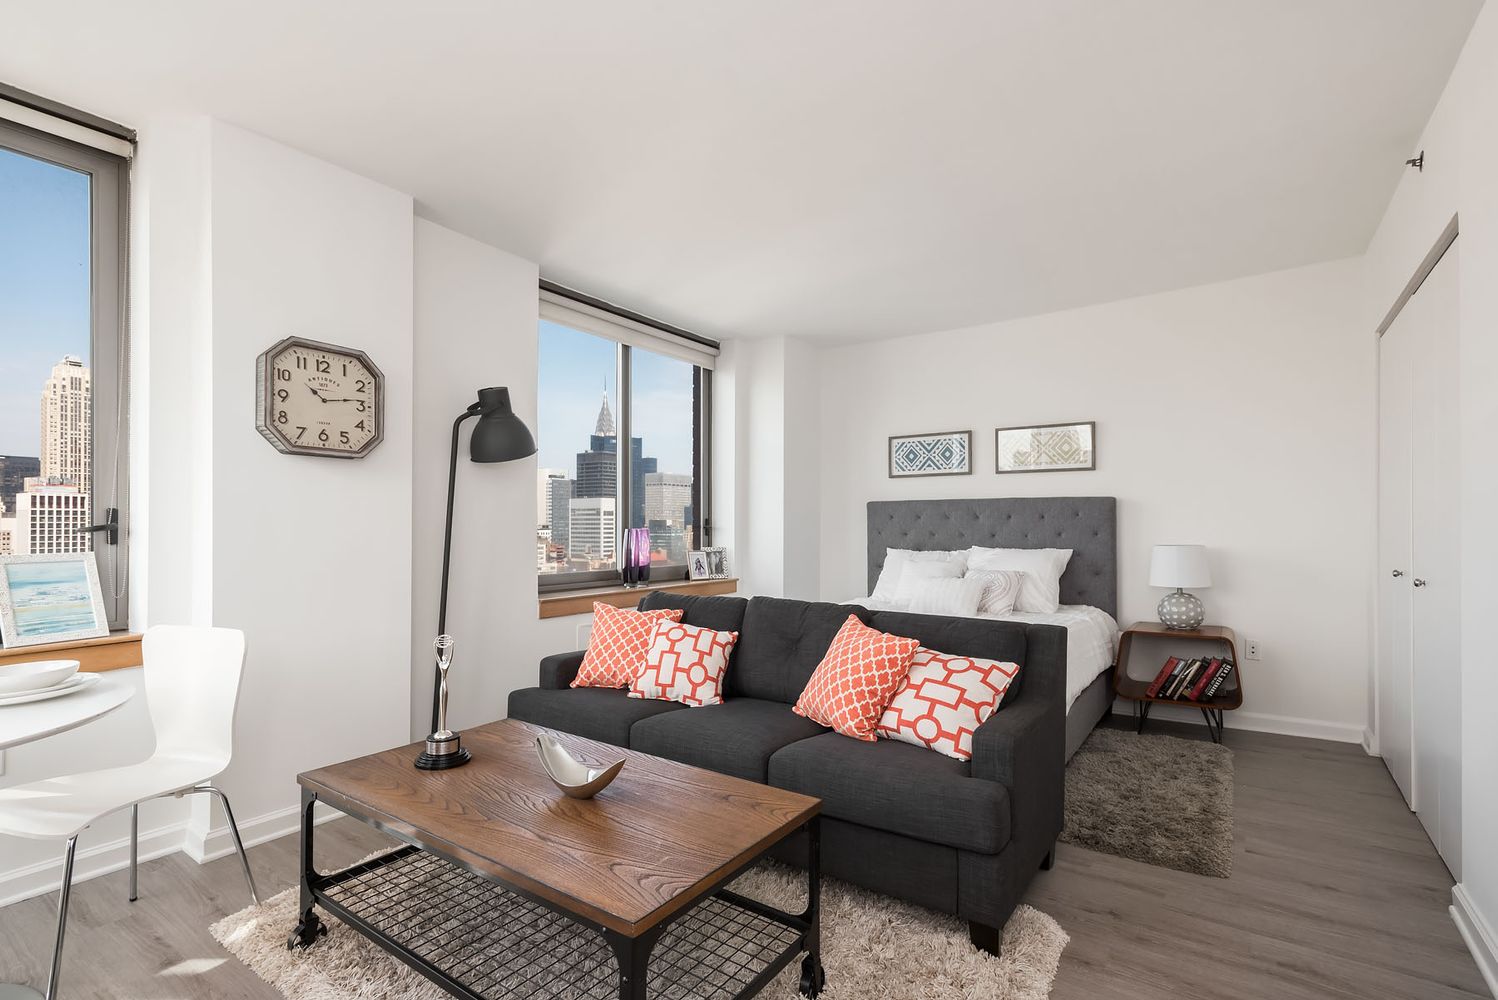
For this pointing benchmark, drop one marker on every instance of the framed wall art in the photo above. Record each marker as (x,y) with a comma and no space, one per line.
(1046,448)
(945,453)
(51,598)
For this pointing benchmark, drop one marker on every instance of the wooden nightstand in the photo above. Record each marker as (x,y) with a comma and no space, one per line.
(1151,642)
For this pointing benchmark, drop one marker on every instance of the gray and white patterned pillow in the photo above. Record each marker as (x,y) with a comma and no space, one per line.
(1000,589)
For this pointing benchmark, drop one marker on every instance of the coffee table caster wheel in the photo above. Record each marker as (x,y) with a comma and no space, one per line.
(307,931)
(813,979)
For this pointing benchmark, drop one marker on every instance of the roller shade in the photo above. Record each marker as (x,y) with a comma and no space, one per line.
(579,315)
(24,109)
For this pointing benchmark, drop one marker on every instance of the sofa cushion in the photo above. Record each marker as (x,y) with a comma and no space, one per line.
(781,644)
(618,644)
(719,613)
(896,787)
(736,737)
(982,638)
(598,713)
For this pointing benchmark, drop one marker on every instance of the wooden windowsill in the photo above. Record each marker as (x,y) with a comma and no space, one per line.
(580,602)
(111,652)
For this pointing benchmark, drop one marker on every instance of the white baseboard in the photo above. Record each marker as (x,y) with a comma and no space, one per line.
(216,842)
(89,862)
(1482,942)
(1282,725)
(102,859)
(1370,743)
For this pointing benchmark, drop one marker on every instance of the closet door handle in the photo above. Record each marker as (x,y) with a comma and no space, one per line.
(1398,573)
(1418,582)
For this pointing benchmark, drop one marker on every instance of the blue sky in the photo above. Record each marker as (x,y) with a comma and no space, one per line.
(44,287)
(573,369)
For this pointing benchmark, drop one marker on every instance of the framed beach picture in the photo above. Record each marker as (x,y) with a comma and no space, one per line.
(50,598)
(945,453)
(1046,448)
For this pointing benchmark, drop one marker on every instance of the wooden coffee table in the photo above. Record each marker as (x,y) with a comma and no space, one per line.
(504,887)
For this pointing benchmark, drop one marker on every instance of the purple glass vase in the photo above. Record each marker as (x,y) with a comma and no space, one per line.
(636,556)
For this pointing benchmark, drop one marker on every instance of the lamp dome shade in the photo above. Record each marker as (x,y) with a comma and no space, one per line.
(499,435)
(1179,566)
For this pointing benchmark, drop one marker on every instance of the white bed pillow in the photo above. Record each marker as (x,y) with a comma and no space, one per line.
(954,595)
(895,560)
(1001,589)
(1040,590)
(917,574)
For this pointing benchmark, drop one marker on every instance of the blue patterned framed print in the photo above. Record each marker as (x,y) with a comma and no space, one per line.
(945,453)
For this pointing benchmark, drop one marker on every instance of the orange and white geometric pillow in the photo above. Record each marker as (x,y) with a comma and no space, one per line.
(862,670)
(617,647)
(944,700)
(685,663)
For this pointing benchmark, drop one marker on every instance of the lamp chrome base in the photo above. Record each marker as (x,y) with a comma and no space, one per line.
(1181,610)
(443,753)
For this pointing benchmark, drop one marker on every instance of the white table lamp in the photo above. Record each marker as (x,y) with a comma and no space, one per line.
(1180,566)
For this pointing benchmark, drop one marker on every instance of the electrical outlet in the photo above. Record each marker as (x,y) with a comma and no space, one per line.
(1251,649)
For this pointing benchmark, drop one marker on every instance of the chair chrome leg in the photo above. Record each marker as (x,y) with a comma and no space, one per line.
(134,847)
(62,917)
(238,844)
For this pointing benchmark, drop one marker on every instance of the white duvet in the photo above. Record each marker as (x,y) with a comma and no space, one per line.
(1091,637)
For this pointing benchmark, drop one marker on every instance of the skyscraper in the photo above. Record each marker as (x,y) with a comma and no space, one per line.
(598,467)
(14,471)
(667,497)
(48,515)
(592,530)
(558,496)
(66,424)
(543,494)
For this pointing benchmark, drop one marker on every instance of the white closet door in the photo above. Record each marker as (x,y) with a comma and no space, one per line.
(1395,475)
(1436,566)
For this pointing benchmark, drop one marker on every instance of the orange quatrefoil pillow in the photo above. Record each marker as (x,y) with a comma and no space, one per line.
(617,647)
(856,679)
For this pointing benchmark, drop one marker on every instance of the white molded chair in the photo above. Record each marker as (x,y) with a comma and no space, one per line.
(192,685)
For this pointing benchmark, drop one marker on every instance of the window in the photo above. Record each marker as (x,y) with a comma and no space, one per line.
(62,385)
(608,377)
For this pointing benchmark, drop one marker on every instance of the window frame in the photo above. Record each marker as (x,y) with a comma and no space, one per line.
(552,583)
(109,342)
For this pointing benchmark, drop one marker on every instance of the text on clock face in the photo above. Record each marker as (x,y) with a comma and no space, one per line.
(322,399)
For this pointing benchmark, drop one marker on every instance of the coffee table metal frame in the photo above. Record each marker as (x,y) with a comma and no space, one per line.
(633,954)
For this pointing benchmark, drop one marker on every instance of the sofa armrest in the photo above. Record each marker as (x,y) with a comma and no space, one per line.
(560,669)
(1023,745)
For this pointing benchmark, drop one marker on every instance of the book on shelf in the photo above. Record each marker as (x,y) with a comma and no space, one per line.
(1162,677)
(1187,672)
(1204,678)
(1219,678)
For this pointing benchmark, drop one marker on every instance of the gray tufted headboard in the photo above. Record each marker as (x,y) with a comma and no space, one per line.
(1086,525)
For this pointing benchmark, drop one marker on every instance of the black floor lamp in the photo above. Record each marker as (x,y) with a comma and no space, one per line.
(499,436)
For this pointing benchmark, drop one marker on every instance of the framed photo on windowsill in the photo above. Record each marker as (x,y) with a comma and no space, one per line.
(707,564)
(51,598)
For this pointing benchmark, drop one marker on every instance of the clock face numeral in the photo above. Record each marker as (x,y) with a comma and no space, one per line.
(319,400)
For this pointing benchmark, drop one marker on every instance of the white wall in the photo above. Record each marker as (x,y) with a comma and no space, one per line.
(1461,178)
(239,242)
(475,327)
(1236,415)
(311,556)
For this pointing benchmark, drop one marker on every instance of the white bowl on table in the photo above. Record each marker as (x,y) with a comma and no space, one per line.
(19,678)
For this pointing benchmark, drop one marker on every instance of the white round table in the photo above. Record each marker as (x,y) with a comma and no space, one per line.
(35,720)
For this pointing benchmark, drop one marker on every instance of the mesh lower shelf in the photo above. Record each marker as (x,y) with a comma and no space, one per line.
(499,945)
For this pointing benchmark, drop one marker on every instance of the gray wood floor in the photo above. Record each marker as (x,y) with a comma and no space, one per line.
(1335,893)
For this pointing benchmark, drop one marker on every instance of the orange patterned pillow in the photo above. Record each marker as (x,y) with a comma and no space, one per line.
(617,647)
(685,663)
(855,680)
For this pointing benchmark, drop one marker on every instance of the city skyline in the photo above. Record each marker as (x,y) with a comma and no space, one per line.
(45,298)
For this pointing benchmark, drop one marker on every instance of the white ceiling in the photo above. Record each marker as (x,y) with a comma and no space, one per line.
(838,168)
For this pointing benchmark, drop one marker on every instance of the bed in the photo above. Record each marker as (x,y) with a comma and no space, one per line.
(1089,587)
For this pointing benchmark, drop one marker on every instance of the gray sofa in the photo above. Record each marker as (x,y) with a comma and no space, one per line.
(960,837)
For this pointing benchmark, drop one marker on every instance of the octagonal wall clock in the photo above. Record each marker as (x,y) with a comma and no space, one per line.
(313,398)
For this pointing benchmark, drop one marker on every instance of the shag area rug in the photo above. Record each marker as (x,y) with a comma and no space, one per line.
(873,948)
(1157,799)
